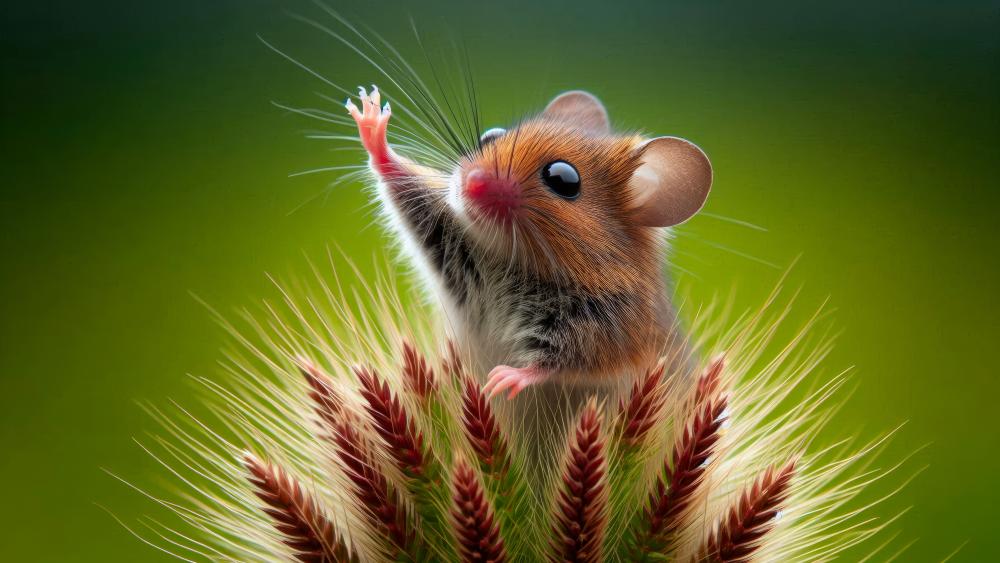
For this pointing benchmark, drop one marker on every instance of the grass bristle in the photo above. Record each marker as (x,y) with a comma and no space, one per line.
(738,535)
(472,516)
(296,515)
(581,503)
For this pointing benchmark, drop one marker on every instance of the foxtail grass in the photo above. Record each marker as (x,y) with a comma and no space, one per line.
(349,427)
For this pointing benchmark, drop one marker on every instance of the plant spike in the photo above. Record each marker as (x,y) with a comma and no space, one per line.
(451,364)
(377,501)
(473,518)
(631,446)
(309,533)
(417,374)
(424,476)
(738,536)
(504,478)
(482,431)
(327,402)
(580,511)
(421,382)
(683,472)
(415,490)
(404,443)
(710,380)
(642,409)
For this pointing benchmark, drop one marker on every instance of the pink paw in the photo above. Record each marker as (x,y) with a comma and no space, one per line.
(372,122)
(502,378)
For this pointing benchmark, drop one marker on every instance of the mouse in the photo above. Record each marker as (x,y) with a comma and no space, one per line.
(546,244)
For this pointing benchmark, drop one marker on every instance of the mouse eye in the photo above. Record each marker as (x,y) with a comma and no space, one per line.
(562,178)
(491,135)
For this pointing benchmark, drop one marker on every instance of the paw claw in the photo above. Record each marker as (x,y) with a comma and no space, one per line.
(352,109)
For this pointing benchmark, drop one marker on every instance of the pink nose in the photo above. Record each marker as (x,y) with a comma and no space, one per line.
(495,197)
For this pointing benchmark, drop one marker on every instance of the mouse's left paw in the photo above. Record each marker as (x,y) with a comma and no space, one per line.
(502,378)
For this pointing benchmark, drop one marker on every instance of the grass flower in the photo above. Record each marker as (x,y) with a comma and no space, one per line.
(348,428)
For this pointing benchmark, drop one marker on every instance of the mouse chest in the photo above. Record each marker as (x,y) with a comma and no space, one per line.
(495,304)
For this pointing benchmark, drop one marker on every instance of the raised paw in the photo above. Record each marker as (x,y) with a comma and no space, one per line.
(372,121)
(502,378)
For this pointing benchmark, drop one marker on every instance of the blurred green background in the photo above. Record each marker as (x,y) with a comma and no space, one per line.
(142,161)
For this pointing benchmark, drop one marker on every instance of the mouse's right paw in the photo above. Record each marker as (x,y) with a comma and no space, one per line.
(372,121)
(502,378)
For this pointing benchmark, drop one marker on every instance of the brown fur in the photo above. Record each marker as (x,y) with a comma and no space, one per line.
(588,243)
(589,240)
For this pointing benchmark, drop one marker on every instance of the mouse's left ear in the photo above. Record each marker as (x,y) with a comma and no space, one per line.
(671,184)
(581,109)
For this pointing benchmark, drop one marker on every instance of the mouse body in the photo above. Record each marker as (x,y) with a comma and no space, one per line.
(547,243)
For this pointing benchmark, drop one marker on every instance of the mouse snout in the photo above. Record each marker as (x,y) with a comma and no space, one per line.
(497,198)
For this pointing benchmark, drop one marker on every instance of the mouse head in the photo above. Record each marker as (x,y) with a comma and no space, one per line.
(564,195)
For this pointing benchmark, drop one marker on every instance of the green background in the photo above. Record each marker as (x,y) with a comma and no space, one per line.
(142,160)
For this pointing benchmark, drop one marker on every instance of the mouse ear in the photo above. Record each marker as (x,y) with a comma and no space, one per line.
(581,109)
(671,184)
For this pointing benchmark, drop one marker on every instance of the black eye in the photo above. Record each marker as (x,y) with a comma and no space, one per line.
(491,135)
(562,178)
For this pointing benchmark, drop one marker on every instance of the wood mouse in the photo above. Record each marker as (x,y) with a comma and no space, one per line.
(546,244)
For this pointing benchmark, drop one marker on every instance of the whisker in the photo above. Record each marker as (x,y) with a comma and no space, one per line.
(733,251)
(327,169)
(404,108)
(734,221)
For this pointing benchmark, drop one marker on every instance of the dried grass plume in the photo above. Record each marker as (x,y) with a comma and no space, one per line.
(347,428)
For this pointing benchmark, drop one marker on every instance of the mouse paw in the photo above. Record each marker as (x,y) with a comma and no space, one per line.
(372,121)
(502,378)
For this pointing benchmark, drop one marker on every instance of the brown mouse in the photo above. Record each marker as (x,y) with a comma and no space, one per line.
(546,243)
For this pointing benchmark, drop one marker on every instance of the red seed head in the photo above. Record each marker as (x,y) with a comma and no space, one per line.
(404,442)
(379,502)
(372,492)
(327,401)
(452,363)
(481,428)
(643,407)
(710,380)
(417,374)
(581,504)
(684,471)
(473,519)
(738,536)
(296,514)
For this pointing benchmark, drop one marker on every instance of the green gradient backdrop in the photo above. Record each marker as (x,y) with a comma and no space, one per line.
(143,161)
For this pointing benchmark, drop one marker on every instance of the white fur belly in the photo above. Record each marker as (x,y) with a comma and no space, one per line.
(488,339)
